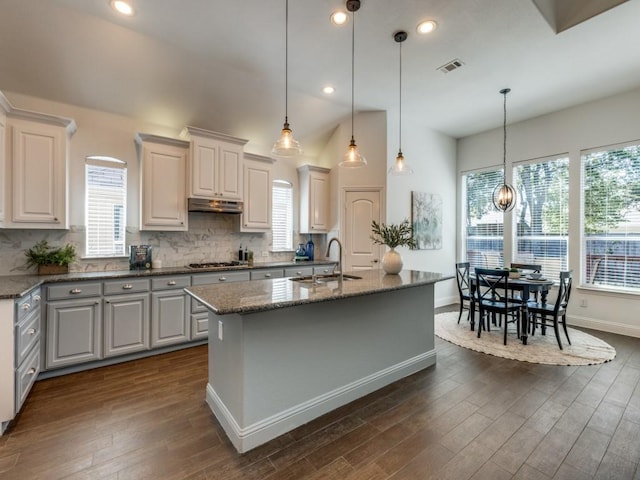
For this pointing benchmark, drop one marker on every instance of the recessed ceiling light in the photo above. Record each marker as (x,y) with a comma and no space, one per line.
(122,7)
(328,89)
(339,17)
(426,26)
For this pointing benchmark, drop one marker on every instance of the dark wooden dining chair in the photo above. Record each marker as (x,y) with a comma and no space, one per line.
(491,298)
(464,289)
(539,312)
(529,267)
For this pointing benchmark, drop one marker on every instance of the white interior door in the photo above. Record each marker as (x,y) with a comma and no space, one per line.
(361,208)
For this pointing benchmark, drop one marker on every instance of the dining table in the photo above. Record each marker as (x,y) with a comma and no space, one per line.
(526,286)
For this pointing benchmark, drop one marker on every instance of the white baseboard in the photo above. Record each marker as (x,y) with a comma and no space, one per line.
(251,436)
(604,326)
(446,301)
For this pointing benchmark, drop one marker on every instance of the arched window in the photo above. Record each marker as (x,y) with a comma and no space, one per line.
(106,206)
(282,216)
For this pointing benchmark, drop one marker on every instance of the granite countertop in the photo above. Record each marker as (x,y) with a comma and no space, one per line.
(261,295)
(15,286)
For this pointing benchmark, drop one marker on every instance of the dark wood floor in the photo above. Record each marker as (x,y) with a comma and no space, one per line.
(472,416)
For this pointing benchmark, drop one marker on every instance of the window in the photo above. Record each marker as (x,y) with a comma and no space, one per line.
(106,206)
(282,216)
(611,217)
(483,223)
(541,216)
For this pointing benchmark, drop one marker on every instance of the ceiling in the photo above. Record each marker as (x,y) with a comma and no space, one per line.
(220,64)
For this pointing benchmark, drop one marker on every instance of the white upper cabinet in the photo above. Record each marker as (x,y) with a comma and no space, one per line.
(256,215)
(215,165)
(34,169)
(314,199)
(163,164)
(4,108)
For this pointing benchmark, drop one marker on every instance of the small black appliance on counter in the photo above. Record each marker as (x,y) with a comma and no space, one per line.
(139,257)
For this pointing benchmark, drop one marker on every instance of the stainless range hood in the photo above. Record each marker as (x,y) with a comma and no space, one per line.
(214,206)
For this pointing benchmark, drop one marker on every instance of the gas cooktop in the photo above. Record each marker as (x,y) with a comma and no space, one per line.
(204,265)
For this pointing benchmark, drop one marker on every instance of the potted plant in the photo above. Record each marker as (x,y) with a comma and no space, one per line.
(392,236)
(50,260)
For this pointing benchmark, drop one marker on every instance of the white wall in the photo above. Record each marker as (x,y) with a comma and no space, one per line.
(432,156)
(604,122)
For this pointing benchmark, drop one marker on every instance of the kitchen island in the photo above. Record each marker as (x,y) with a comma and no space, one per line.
(284,351)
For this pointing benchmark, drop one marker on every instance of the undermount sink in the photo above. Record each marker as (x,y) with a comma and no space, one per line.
(318,279)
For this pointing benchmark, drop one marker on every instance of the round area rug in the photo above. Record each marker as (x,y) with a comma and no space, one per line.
(585,349)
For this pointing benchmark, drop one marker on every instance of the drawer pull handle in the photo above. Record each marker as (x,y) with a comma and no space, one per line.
(36,298)
(172,282)
(223,279)
(75,291)
(31,331)
(299,274)
(31,371)
(26,306)
(267,275)
(127,286)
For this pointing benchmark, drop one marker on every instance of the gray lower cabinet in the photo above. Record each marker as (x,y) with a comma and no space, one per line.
(27,342)
(266,273)
(74,331)
(126,324)
(169,318)
(298,271)
(126,316)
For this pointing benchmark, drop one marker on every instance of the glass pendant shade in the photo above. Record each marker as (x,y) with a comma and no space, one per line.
(400,167)
(353,159)
(286,146)
(504,197)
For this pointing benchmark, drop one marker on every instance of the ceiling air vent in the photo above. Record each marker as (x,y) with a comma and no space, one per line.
(451,66)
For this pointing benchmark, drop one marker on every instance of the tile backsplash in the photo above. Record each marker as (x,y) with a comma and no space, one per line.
(210,237)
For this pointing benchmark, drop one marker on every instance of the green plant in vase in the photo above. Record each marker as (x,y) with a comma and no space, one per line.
(393,236)
(50,260)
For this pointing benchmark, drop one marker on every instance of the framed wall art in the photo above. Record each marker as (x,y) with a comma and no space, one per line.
(426,219)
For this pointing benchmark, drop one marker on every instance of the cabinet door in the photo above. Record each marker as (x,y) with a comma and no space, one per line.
(257,198)
(199,326)
(319,202)
(126,324)
(164,199)
(204,162)
(169,318)
(3,123)
(230,172)
(74,332)
(39,177)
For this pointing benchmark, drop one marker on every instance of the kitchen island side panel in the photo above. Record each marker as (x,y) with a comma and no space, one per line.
(278,369)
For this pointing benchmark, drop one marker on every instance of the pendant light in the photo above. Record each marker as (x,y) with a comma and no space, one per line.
(353,158)
(286,146)
(400,167)
(504,196)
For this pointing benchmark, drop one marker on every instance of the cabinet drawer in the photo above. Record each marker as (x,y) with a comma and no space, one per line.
(199,326)
(73,290)
(25,377)
(298,271)
(323,269)
(169,283)
(266,274)
(27,335)
(212,278)
(27,304)
(217,277)
(126,286)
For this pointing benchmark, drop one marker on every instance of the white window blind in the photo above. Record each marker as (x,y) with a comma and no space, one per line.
(483,223)
(106,206)
(611,217)
(541,218)
(282,216)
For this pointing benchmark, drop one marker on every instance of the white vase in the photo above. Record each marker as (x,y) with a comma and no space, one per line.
(391,262)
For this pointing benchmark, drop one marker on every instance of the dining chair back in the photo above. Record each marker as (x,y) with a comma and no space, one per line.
(539,312)
(464,289)
(491,290)
(529,267)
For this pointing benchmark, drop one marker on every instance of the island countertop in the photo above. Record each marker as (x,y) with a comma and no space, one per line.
(262,295)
